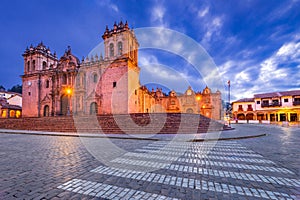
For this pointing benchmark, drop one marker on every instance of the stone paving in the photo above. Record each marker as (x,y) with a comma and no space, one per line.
(47,167)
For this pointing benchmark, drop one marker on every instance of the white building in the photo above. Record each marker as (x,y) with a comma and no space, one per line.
(272,107)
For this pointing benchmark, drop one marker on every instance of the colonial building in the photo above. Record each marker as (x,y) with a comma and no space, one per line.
(10,104)
(102,84)
(273,107)
(8,110)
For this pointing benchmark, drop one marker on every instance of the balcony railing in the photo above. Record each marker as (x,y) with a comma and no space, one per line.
(274,104)
(296,103)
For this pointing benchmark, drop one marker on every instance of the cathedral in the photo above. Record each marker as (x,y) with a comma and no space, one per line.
(108,84)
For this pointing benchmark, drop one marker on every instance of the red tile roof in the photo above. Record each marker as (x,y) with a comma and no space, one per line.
(278,94)
(245,100)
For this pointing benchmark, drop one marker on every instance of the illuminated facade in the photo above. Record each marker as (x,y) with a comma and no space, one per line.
(273,107)
(102,84)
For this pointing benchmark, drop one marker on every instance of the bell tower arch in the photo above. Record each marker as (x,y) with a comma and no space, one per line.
(120,78)
(36,80)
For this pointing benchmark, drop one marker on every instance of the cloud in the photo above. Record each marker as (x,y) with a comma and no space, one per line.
(158,15)
(203,12)
(278,72)
(211,27)
(152,71)
(109,4)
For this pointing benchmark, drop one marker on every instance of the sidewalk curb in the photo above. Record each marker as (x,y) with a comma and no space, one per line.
(229,138)
(19,132)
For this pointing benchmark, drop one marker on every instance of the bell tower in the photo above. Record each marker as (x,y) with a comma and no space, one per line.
(120,42)
(120,80)
(37,62)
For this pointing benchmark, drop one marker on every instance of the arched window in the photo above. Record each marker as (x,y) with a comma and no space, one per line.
(28,66)
(12,113)
(47,83)
(95,78)
(130,53)
(33,65)
(4,114)
(120,48)
(64,79)
(111,49)
(189,110)
(46,111)
(18,114)
(93,108)
(44,64)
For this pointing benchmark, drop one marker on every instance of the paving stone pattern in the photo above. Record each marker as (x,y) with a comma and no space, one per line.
(54,167)
(194,174)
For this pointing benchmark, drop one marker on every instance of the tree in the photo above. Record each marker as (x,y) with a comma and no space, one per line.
(16,88)
(2,88)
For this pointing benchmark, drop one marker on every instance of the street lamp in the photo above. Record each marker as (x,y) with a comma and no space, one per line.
(228,109)
(68,91)
(198,98)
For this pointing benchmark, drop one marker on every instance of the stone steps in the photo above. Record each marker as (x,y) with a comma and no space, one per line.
(133,123)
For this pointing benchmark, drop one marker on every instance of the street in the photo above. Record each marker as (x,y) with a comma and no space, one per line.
(59,167)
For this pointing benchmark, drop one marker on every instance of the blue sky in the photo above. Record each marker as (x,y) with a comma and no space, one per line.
(255,44)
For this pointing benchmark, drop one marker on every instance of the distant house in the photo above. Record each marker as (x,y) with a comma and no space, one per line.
(15,99)
(9,111)
(10,104)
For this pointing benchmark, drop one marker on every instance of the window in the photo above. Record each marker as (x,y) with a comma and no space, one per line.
(258,102)
(4,113)
(33,65)
(130,52)
(111,49)
(275,102)
(47,83)
(64,79)
(120,47)
(265,102)
(28,66)
(114,84)
(135,92)
(240,108)
(29,93)
(286,100)
(250,107)
(44,65)
(95,78)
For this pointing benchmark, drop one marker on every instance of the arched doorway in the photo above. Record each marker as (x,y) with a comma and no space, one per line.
(261,116)
(93,108)
(46,111)
(249,116)
(241,116)
(189,110)
(64,105)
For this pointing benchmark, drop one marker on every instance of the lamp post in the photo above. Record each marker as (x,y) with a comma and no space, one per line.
(69,93)
(228,109)
(198,98)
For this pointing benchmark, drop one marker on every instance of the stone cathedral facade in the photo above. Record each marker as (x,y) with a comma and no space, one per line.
(102,85)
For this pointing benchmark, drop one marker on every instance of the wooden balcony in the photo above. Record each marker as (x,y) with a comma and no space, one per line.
(274,104)
(296,103)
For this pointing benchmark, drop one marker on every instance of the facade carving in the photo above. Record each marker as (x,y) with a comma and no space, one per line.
(102,84)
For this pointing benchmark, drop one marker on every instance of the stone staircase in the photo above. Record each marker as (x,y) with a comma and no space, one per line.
(125,123)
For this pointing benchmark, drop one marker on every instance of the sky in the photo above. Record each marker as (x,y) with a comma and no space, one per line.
(253,43)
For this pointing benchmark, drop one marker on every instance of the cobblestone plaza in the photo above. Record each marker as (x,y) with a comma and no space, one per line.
(60,167)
